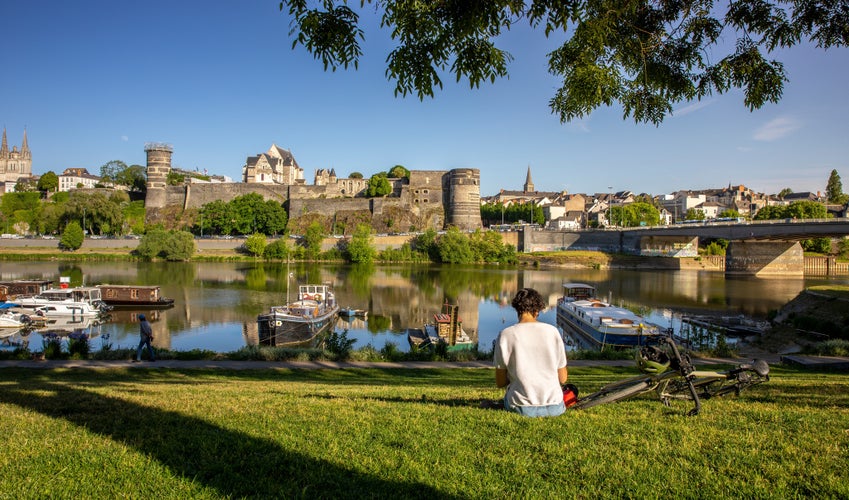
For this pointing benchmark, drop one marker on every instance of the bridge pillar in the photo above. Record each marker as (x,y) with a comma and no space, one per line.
(764,259)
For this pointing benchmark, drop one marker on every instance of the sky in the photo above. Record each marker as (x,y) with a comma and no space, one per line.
(94,81)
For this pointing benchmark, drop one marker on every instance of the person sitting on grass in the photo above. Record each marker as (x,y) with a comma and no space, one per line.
(530,360)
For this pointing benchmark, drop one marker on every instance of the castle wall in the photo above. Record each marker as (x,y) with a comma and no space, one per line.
(430,199)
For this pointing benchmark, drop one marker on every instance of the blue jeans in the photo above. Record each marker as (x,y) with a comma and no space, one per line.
(145,342)
(537,411)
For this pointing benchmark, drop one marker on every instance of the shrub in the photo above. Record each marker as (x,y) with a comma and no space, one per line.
(78,345)
(72,237)
(339,345)
(256,244)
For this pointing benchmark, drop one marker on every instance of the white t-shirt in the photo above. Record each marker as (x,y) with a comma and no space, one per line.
(531,353)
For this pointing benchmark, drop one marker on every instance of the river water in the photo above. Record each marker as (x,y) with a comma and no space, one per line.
(216,304)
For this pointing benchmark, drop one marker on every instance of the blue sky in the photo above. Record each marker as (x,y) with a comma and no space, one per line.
(93,81)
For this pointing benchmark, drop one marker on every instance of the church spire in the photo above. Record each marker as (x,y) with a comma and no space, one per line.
(4,148)
(529,184)
(25,147)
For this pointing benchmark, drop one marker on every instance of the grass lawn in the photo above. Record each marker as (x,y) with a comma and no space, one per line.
(396,433)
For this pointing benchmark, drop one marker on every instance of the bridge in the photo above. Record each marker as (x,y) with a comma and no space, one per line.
(756,248)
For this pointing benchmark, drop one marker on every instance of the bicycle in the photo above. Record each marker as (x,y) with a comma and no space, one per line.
(675,377)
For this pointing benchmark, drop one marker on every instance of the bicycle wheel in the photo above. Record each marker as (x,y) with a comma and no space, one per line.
(617,393)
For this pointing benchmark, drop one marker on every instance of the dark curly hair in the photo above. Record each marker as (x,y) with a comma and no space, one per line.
(528,300)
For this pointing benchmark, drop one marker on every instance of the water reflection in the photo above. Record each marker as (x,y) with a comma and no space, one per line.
(216,304)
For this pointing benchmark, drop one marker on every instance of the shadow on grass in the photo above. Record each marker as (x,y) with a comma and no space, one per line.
(234,464)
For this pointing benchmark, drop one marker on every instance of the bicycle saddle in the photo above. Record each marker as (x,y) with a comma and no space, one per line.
(758,366)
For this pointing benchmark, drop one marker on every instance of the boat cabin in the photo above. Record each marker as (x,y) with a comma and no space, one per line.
(142,295)
(578,291)
(79,294)
(26,287)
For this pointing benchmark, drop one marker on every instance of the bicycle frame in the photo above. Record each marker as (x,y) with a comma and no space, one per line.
(680,381)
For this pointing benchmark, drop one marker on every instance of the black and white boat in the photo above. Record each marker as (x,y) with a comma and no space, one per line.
(301,321)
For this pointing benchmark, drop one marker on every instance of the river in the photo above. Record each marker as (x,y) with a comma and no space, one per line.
(216,304)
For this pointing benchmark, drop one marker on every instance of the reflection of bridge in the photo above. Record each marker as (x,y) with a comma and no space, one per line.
(762,248)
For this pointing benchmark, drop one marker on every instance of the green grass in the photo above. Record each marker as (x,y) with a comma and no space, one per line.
(395,433)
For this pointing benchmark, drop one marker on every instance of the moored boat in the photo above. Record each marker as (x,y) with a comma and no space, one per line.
(76,301)
(350,313)
(131,296)
(11,318)
(446,328)
(580,313)
(301,321)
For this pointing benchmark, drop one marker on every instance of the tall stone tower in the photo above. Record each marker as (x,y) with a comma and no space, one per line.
(529,184)
(14,163)
(464,198)
(158,168)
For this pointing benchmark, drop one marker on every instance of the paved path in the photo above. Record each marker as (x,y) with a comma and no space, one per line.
(820,362)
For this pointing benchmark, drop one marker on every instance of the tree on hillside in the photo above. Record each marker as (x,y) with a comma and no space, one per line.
(378,185)
(355,175)
(784,192)
(646,56)
(119,173)
(48,182)
(398,172)
(72,237)
(834,189)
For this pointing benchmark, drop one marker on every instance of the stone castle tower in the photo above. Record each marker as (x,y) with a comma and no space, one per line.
(14,164)
(158,168)
(464,198)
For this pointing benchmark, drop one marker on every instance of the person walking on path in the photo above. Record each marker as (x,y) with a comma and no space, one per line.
(530,360)
(145,338)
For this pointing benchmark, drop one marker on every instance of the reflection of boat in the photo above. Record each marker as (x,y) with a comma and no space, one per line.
(64,324)
(300,321)
(12,319)
(580,312)
(447,328)
(349,312)
(78,301)
(129,296)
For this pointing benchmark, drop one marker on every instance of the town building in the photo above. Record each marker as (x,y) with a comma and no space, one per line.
(15,164)
(275,166)
(77,178)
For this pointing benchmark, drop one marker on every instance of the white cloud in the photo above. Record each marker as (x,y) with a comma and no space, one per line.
(124,138)
(776,129)
(691,108)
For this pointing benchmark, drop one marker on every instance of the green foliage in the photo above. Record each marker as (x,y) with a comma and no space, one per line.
(634,214)
(834,189)
(355,175)
(843,248)
(717,247)
(72,237)
(256,244)
(246,214)
(488,246)
(360,249)
(339,345)
(48,182)
(817,245)
(795,210)
(101,214)
(398,172)
(378,185)
(784,192)
(78,346)
(51,345)
(694,214)
(644,56)
(277,249)
(729,212)
(168,245)
(455,248)
(495,213)
(175,178)
(312,239)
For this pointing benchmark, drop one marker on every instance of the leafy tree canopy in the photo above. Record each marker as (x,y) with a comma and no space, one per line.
(378,185)
(48,182)
(646,56)
(399,172)
(72,237)
(834,189)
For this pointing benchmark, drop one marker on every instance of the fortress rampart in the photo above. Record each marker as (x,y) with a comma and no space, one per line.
(431,199)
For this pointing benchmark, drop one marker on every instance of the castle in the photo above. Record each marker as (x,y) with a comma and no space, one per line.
(14,164)
(428,199)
